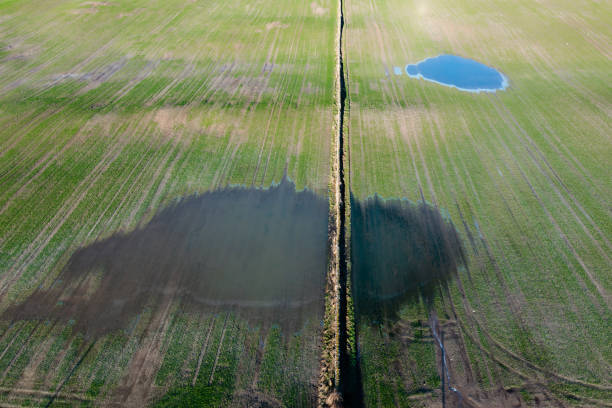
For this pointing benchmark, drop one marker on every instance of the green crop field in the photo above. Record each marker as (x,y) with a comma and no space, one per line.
(112,112)
(524,174)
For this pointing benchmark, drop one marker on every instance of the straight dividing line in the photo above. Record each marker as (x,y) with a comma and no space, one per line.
(336,353)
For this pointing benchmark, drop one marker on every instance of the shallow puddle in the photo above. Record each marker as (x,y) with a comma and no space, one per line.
(261,252)
(462,73)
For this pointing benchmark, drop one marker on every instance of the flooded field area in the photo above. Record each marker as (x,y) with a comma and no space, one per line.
(401,252)
(262,251)
(217,298)
(462,73)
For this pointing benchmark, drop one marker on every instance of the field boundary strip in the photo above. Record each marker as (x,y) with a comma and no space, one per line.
(338,330)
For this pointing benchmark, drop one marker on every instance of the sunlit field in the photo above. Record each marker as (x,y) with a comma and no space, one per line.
(297,204)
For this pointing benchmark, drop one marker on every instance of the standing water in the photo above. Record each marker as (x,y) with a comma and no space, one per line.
(462,73)
(400,252)
(260,252)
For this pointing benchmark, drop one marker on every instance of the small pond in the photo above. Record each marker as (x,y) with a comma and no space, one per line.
(462,73)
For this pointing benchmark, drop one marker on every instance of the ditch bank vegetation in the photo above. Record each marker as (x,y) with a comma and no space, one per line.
(339,347)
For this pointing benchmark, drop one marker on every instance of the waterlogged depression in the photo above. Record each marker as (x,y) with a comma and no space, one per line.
(259,252)
(462,73)
(401,252)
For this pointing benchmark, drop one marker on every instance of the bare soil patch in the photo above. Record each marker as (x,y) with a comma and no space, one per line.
(318,10)
(276,24)
(171,120)
(90,7)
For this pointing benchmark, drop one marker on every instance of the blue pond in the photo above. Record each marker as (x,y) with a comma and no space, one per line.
(462,73)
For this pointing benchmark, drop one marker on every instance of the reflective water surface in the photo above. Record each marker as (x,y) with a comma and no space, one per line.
(462,73)
(262,252)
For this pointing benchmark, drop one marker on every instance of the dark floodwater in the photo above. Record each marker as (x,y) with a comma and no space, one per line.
(262,252)
(462,73)
(400,252)
(259,252)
